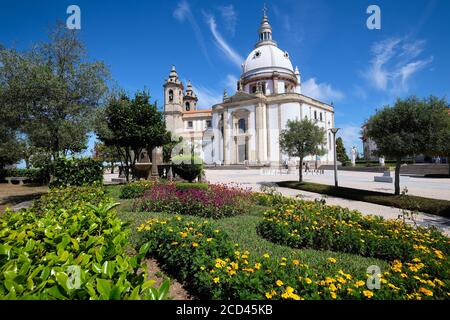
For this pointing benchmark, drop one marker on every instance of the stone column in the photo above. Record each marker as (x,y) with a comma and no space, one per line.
(157,159)
(260,132)
(226,128)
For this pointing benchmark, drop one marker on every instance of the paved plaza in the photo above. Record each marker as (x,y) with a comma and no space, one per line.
(432,188)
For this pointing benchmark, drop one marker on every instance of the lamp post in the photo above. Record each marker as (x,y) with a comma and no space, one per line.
(334,131)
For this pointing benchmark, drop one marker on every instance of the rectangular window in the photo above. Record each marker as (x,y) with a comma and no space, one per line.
(190,125)
(315,115)
(321,117)
(208,124)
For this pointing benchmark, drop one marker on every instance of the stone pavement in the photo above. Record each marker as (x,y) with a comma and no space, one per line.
(253,179)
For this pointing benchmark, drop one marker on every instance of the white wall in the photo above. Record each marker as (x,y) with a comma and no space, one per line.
(274,132)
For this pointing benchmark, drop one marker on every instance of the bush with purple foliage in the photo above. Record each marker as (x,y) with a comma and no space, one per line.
(215,201)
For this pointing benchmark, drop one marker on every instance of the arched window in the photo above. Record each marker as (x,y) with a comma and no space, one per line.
(170,95)
(242,126)
(188,106)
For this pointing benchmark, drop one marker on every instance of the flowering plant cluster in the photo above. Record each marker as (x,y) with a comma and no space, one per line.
(72,248)
(214,268)
(419,257)
(214,201)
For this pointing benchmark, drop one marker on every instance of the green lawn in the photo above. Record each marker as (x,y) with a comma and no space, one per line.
(427,205)
(242,230)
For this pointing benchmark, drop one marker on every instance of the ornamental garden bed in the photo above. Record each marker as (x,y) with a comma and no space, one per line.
(72,245)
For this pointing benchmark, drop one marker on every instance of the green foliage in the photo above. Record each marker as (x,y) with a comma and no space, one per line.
(412,126)
(408,202)
(52,91)
(301,139)
(76,172)
(131,125)
(341,152)
(72,252)
(187,167)
(35,175)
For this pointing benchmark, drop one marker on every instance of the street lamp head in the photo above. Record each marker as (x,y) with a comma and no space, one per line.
(334,130)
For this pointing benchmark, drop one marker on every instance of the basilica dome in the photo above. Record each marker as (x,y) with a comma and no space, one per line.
(266,58)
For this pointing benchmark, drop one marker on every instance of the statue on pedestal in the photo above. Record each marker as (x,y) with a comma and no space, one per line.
(354,153)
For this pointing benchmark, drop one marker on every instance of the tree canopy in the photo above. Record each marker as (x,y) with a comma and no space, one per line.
(131,125)
(51,92)
(412,126)
(302,138)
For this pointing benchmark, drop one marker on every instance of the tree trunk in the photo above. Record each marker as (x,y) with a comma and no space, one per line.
(397,176)
(300,168)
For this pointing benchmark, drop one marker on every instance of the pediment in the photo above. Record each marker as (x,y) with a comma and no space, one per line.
(241,96)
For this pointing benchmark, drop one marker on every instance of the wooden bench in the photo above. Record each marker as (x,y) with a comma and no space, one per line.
(14,179)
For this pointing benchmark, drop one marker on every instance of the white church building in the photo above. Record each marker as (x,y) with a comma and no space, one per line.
(245,127)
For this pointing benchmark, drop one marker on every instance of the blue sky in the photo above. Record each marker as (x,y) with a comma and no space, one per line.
(340,59)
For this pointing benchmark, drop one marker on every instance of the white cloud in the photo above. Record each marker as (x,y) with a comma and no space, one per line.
(321,91)
(182,13)
(394,61)
(231,83)
(229,52)
(229,16)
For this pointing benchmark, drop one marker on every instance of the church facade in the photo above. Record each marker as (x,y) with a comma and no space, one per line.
(245,127)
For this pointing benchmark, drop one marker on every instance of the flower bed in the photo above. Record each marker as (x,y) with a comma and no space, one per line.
(420,257)
(215,201)
(69,249)
(214,268)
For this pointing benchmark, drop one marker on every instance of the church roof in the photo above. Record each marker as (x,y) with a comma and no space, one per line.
(266,57)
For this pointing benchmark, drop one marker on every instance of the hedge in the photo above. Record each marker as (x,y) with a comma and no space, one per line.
(408,202)
(76,172)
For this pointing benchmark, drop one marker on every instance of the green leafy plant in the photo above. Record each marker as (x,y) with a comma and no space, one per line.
(73,251)
(187,167)
(76,172)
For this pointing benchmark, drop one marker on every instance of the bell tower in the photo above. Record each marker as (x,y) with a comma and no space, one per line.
(173,102)
(190,99)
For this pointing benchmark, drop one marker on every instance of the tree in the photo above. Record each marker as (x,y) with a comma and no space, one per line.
(341,152)
(53,92)
(106,153)
(301,139)
(410,127)
(131,125)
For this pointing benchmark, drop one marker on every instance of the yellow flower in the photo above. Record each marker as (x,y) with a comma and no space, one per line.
(209,239)
(257,266)
(308,280)
(234,265)
(296,262)
(195,244)
(332,260)
(183,234)
(216,280)
(279,283)
(359,283)
(426,291)
(333,295)
(404,275)
(265,255)
(368,293)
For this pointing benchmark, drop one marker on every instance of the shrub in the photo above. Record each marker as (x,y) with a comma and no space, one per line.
(76,251)
(134,190)
(216,201)
(76,172)
(187,167)
(204,258)
(35,175)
